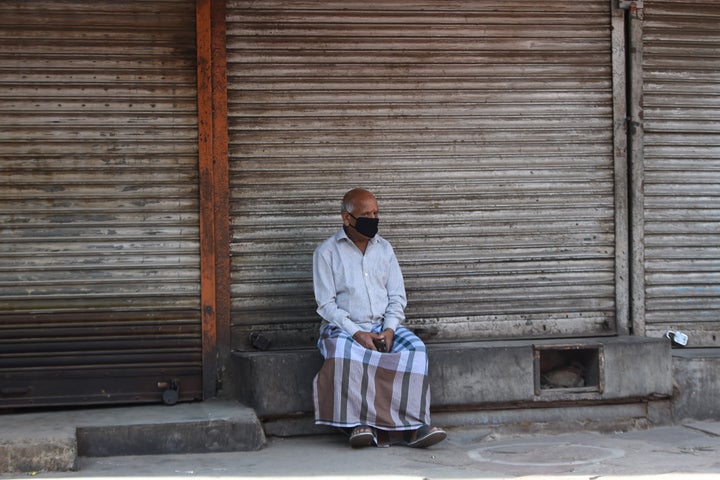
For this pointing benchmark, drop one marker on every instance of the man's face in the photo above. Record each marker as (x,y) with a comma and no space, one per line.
(363,206)
(366,207)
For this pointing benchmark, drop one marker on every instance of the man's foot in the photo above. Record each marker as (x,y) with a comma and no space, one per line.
(426,436)
(362,436)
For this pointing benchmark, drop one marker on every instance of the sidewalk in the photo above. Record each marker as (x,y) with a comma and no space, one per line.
(685,452)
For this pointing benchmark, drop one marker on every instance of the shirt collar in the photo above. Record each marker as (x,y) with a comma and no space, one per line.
(341,235)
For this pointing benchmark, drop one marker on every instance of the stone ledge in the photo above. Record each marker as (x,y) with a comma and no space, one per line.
(469,374)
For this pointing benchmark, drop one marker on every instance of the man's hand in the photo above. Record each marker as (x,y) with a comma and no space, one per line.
(367,339)
(388,334)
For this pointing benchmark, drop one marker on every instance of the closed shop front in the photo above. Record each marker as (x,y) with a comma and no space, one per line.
(681,170)
(99,255)
(485,127)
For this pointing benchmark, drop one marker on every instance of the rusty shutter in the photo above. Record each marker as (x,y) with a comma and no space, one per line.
(485,127)
(681,104)
(99,256)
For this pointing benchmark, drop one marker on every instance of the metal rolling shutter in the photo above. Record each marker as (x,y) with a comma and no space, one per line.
(484,127)
(681,103)
(99,256)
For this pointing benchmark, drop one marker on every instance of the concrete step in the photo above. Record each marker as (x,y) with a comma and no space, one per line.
(557,419)
(52,440)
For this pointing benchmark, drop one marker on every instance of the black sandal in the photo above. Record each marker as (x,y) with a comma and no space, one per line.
(427,436)
(362,436)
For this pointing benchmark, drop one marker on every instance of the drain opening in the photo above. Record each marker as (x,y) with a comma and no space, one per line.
(568,368)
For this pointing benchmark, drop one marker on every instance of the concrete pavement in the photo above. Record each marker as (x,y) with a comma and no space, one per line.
(685,452)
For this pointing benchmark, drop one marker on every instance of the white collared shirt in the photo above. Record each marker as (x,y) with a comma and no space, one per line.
(356,291)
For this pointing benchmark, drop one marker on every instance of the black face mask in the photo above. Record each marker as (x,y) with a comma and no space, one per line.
(365,226)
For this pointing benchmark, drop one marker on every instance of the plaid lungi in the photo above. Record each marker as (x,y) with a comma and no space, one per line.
(357,386)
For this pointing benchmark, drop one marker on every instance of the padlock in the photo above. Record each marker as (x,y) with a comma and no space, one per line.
(677,337)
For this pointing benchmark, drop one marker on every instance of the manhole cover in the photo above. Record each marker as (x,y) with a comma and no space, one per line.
(544,454)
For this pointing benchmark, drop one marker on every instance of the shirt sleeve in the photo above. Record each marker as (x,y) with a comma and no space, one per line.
(397,299)
(325,293)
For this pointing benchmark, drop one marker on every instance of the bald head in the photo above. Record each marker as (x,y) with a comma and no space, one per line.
(360,216)
(356,197)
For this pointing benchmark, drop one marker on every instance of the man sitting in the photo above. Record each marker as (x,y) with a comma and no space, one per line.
(374,378)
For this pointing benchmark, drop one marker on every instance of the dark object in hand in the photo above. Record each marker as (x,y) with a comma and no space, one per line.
(380,345)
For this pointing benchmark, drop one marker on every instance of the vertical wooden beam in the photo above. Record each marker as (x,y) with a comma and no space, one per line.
(221,177)
(208,296)
(214,190)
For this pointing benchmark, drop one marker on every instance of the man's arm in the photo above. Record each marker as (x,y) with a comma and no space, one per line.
(397,299)
(325,294)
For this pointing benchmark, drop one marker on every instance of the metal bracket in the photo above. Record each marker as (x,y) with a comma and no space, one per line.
(631,124)
(630,4)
